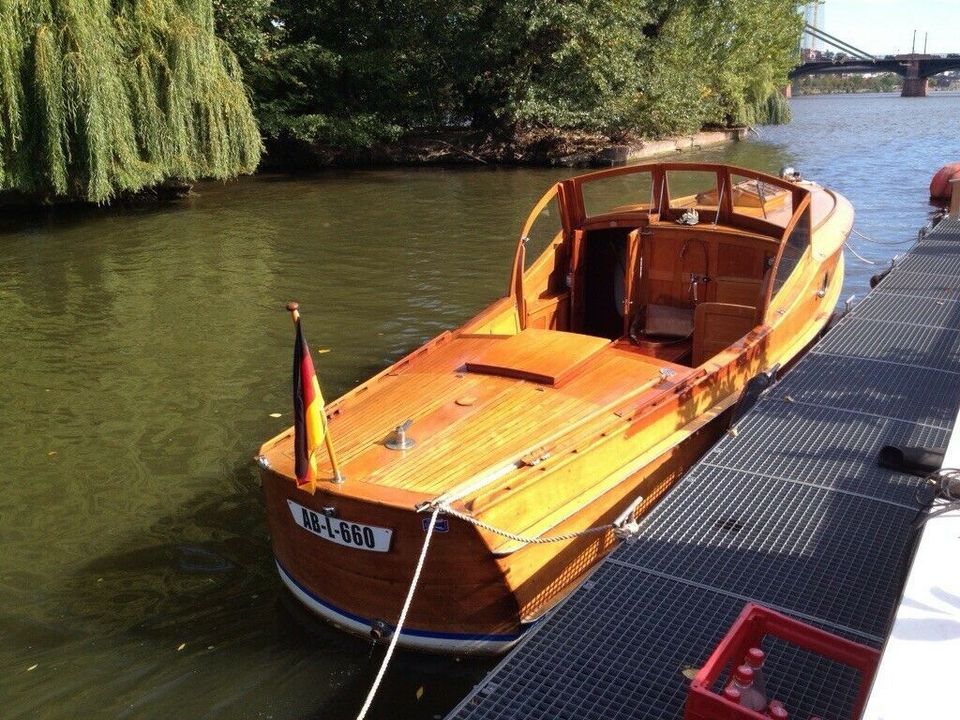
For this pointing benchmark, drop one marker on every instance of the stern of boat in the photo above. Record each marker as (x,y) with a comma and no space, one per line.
(351,560)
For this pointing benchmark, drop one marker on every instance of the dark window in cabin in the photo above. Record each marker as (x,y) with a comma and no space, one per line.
(793,250)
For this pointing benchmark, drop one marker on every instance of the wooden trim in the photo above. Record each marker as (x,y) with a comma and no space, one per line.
(724,178)
(516,281)
(630,282)
(576,280)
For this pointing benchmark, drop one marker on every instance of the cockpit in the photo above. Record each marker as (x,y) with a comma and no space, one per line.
(677,260)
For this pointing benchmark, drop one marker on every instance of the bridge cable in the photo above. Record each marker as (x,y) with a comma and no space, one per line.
(837,42)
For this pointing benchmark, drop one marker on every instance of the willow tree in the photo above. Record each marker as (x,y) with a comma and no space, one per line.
(101,97)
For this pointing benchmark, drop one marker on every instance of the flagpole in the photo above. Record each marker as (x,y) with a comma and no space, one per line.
(338,477)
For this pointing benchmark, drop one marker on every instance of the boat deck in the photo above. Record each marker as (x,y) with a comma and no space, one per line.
(791,512)
(493,395)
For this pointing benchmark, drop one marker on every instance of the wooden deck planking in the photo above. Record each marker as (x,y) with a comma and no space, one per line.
(443,428)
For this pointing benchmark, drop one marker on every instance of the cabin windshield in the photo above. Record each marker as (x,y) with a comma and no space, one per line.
(619,193)
(678,260)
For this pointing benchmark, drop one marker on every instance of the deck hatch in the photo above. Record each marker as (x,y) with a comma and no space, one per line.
(549,357)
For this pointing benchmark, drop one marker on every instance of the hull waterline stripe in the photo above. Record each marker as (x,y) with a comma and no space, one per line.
(511,637)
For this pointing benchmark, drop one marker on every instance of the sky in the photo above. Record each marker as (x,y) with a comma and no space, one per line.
(885,27)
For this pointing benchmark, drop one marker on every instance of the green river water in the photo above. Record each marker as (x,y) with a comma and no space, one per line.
(145,351)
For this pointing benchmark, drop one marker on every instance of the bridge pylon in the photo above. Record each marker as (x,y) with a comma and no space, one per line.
(913,84)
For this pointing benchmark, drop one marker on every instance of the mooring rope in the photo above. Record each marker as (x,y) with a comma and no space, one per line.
(403,616)
(946,484)
(890,243)
(622,527)
(866,260)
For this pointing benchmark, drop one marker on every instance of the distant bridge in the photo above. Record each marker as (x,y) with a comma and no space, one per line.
(915,68)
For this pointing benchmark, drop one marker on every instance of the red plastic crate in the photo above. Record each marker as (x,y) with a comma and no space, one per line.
(754,623)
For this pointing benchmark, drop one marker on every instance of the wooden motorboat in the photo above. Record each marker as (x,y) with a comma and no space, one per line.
(578,398)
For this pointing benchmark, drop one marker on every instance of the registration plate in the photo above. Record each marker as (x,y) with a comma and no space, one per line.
(342,532)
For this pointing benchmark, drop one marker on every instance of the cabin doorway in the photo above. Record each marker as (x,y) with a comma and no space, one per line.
(603,272)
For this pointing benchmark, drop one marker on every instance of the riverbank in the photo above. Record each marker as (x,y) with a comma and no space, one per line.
(537,147)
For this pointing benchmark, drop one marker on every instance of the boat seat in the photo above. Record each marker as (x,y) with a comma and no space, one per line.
(716,326)
(661,324)
(676,351)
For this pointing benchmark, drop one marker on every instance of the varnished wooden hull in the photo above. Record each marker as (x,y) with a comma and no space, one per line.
(479,591)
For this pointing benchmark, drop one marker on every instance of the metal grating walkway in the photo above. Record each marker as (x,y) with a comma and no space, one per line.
(793,513)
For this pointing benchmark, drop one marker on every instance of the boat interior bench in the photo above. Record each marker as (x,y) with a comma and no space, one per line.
(680,293)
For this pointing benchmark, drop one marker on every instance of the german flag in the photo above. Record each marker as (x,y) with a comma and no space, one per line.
(308,420)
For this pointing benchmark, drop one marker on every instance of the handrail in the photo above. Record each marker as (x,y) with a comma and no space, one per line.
(579,180)
(519,261)
(724,173)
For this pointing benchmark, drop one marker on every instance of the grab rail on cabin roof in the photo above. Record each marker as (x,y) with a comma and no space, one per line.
(576,213)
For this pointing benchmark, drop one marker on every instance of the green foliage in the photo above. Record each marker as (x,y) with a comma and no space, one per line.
(721,62)
(558,64)
(242,25)
(100,97)
(848,83)
(350,74)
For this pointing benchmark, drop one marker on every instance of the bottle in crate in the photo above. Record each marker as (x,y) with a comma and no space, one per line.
(732,694)
(776,710)
(754,658)
(743,682)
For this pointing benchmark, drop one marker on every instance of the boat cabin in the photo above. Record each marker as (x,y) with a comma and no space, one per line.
(677,260)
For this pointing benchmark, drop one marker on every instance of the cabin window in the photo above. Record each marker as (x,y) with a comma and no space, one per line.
(620,193)
(793,250)
(692,189)
(547,227)
(759,199)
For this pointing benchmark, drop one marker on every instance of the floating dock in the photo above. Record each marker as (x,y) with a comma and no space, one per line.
(790,511)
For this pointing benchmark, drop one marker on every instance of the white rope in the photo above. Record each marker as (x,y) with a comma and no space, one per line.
(850,248)
(890,243)
(403,616)
(946,484)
